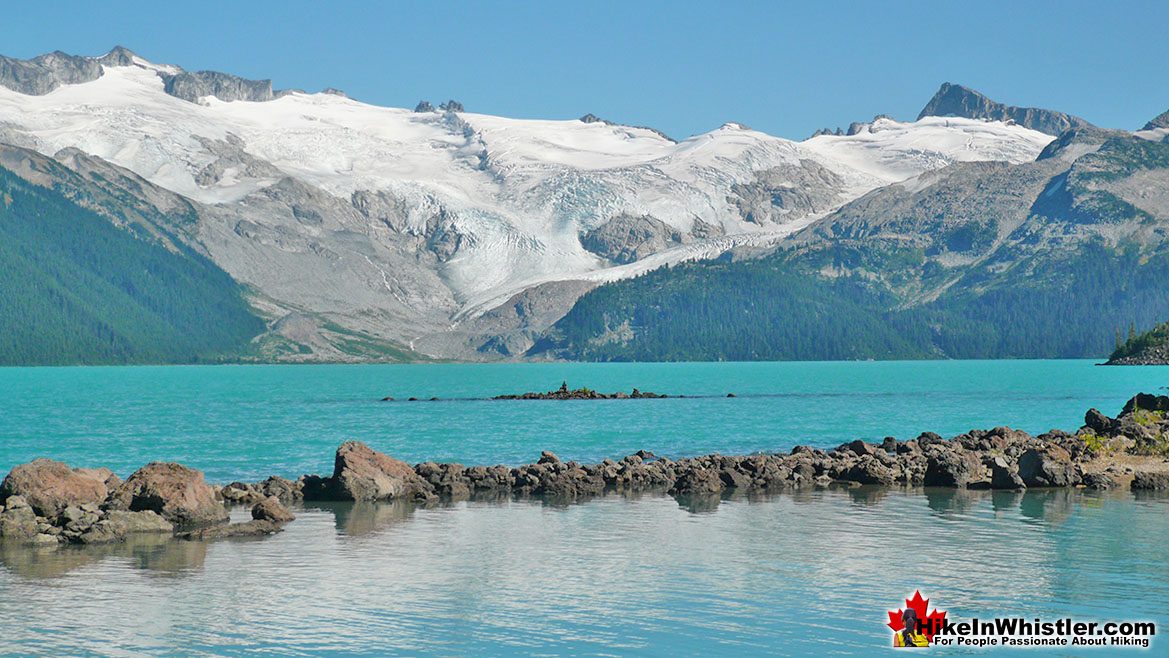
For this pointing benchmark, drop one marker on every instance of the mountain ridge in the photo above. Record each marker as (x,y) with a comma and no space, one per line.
(458,234)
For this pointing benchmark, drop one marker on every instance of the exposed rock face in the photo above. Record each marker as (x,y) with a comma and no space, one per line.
(592,118)
(423,106)
(1159,121)
(958,101)
(193,86)
(626,239)
(363,474)
(1150,481)
(177,493)
(787,192)
(49,487)
(451,106)
(40,75)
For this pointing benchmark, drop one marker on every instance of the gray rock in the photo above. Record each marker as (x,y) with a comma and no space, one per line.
(191,86)
(787,192)
(451,106)
(1150,480)
(1050,466)
(625,238)
(959,101)
(17,524)
(423,106)
(1005,475)
(947,467)
(1159,121)
(44,73)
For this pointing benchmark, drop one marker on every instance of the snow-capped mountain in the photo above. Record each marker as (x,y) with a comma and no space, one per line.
(412,225)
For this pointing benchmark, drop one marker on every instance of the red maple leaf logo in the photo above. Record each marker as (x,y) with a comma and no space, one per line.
(932,621)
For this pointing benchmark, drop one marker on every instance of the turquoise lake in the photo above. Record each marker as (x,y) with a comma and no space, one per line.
(804,573)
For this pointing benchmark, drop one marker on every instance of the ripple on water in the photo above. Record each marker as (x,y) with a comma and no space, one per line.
(812,572)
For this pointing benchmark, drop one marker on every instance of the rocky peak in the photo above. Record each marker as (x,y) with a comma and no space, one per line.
(958,101)
(423,106)
(334,92)
(118,56)
(40,75)
(1159,121)
(452,106)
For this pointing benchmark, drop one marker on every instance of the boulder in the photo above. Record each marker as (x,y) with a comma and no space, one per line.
(18,522)
(271,509)
(948,467)
(240,493)
(49,487)
(1049,466)
(177,493)
(869,470)
(1004,475)
(1097,422)
(697,481)
(286,490)
(1100,480)
(1149,480)
(362,473)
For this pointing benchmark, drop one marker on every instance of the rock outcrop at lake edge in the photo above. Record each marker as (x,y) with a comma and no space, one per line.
(48,503)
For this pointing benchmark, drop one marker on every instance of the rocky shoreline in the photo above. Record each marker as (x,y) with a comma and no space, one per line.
(48,503)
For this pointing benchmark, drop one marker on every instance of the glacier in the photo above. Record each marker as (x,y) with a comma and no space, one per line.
(410,226)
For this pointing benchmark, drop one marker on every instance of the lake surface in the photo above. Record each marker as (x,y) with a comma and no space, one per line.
(808,573)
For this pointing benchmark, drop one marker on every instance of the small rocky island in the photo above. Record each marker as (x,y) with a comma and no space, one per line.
(1150,348)
(580,394)
(48,503)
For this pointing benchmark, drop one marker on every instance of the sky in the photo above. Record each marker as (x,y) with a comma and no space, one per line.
(682,67)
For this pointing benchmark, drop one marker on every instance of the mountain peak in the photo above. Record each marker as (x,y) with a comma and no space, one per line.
(954,100)
(1159,121)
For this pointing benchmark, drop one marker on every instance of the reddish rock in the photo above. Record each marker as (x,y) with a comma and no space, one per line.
(50,487)
(271,509)
(362,473)
(177,493)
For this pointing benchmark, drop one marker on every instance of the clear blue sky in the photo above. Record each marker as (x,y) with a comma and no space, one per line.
(682,67)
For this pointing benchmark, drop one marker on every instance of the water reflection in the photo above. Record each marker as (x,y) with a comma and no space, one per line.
(170,557)
(161,554)
(615,575)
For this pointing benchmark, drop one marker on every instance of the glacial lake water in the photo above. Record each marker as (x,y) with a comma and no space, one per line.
(807,573)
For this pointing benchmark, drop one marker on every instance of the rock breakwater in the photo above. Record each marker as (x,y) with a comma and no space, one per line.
(48,503)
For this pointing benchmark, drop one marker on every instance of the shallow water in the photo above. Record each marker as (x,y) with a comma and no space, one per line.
(809,573)
(790,574)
